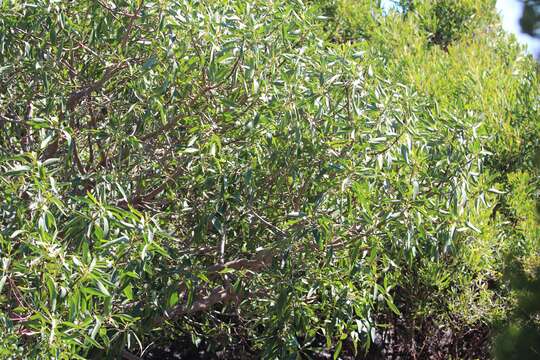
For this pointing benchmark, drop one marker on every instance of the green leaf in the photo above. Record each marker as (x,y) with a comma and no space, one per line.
(102,288)
(92,291)
(392,306)
(337,351)
(173,299)
(18,170)
(96,328)
(128,292)
(227,271)
(2,282)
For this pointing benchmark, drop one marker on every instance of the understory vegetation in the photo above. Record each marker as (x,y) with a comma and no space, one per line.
(266,179)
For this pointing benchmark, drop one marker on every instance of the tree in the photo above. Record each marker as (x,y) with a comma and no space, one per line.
(530,19)
(273,179)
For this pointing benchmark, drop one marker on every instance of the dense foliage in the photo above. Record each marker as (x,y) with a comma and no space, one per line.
(530,18)
(279,178)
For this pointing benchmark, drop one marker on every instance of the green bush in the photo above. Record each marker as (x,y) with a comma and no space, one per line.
(448,20)
(228,172)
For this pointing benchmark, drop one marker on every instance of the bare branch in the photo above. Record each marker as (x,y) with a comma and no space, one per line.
(129,356)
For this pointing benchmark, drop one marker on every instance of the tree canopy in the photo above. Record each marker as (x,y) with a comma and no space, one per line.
(268,179)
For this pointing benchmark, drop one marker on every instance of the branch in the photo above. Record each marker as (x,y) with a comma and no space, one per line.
(388,146)
(273,227)
(114,11)
(262,259)
(77,159)
(129,356)
(138,199)
(130,26)
(219,294)
(162,129)
(76,97)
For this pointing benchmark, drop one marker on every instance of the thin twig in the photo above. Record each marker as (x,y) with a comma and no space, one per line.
(269,224)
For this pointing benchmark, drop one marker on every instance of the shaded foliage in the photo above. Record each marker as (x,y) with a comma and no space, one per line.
(521,337)
(530,19)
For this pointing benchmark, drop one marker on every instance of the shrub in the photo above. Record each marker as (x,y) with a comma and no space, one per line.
(229,172)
